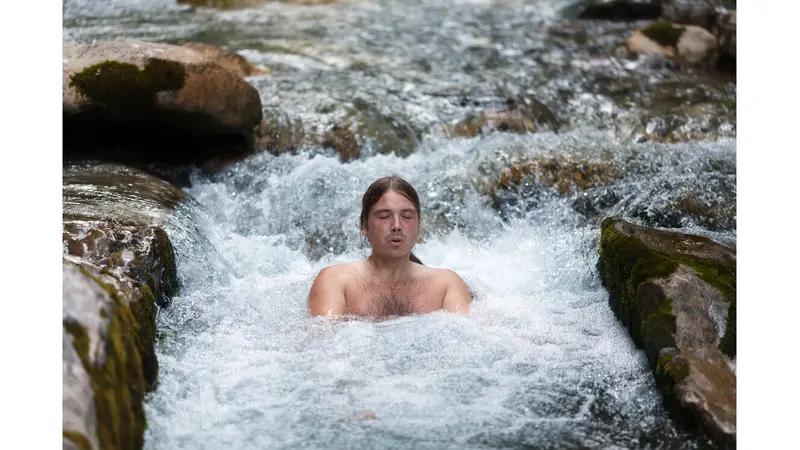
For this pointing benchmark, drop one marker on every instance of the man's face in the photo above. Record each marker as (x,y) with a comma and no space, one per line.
(392,226)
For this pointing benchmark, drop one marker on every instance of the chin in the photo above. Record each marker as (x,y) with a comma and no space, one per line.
(397,253)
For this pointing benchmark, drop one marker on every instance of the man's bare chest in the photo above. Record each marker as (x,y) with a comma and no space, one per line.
(377,299)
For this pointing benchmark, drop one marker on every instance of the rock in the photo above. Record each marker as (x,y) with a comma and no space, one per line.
(520,185)
(223,4)
(689,12)
(620,10)
(141,101)
(109,333)
(114,217)
(563,173)
(676,294)
(119,266)
(683,44)
(700,121)
(93,191)
(230,60)
(238,4)
(724,28)
(362,131)
(568,33)
(519,115)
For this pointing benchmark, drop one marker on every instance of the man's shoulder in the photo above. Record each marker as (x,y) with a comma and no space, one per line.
(443,275)
(339,272)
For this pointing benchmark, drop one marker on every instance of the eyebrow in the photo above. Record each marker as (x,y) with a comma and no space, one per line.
(377,211)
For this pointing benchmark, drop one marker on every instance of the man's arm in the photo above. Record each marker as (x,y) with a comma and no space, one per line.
(456,297)
(326,297)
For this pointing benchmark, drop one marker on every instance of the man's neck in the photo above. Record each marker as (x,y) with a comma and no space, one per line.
(389,269)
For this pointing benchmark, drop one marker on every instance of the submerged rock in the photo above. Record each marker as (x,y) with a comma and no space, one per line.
(519,115)
(362,130)
(525,180)
(145,102)
(223,4)
(238,4)
(676,294)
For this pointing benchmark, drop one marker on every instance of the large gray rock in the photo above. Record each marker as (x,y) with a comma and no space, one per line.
(108,325)
(676,294)
(119,265)
(153,97)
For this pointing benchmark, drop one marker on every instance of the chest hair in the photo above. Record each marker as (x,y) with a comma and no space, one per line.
(395,299)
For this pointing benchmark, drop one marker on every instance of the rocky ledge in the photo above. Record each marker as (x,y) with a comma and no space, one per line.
(676,294)
(118,269)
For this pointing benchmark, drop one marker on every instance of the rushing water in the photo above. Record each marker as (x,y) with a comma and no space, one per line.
(540,362)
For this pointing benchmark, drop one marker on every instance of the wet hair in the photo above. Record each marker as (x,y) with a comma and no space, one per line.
(383,185)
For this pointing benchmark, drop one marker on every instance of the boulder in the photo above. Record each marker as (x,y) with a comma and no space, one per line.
(676,294)
(118,268)
(141,101)
(689,12)
(683,44)
(109,333)
(724,28)
(524,181)
(230,60)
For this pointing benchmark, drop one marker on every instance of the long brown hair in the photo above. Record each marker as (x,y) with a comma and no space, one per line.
(381,186)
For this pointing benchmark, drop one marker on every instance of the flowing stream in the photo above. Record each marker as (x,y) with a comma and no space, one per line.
(541,362)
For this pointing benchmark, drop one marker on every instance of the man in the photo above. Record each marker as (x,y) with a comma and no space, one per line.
(389,282)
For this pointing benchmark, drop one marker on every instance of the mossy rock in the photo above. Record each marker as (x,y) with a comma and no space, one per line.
(530,178)
(664,33)
(109,332)
(145,102)
(684,45)
(676,294)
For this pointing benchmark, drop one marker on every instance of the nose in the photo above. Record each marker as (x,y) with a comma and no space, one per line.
(395,225)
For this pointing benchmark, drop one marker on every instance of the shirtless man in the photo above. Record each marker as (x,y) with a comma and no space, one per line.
(388,282)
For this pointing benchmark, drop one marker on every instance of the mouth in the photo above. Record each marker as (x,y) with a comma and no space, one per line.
(396,241)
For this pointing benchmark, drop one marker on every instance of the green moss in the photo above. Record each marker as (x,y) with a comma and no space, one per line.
(145,321)
(658,329)
(664,33)
(628,262)
(80,441)
(673,366)
(115,84)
